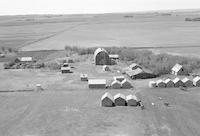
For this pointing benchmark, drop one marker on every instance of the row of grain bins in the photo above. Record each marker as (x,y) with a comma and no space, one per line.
(177,82)
(107,100)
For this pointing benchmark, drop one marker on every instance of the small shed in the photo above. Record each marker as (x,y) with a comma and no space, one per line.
(169,83)
(101,57)
(196,81)
(187,82)
(84,77)
(120,99)
(152,84)
(179,70)
(134,66)
(178,82)
(119,78)
(116,84)
(106,68)
(131,100)
(125,84)
(97,83)
(160,83)
(107,100)
(65,70)
(26,59)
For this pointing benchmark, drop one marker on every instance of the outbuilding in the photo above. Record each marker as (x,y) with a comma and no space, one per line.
(26,59)
(131,100)
(114,56)
(169,83)
(119,78)
(196,81)
(65,70)
(125,84)
(106,68)
(139,74)
(160,83)
(101,57)
(152,84)
(120,100)
(179,70)
(107,100)
(116,84)
(84,77)
(187,82)
(97,83)
(178,82)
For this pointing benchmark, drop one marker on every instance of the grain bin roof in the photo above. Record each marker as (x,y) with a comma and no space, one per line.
(107,95)
(97,81)
(119,95)
(177,67)
(26,59)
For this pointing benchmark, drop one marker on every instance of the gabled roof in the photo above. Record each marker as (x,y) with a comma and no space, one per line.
(184,80)
(196,79)
(97,81)
(115,82)
(97,51)
(134,65)
(118,77)
(114,56)
(159,81)
(119,95)
(176,80)
(65,68)
(168,80)
(135,72)
(107,95)
(26,59)
(177,67)
(131,97)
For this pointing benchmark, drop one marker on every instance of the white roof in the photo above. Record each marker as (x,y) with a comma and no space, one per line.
(176,80)
(97,81)
(131,97)
(196,79)
(114,56)
(97,51)
(168,80)
(84,75)
(65,68)
(118,77)
(184,80)
(159,81)
(177,67)
(119,95)
(124,81)
(115,82)
(26,59)
(107,95)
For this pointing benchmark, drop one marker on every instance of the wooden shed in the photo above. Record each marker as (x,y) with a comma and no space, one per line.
(152,84)
(196,81)
(120,100)
(97,83)
(125,84)
(84,77)
(187,82)
(178,82)
(179,70)
(101,57)
(107,100)
(116,84)
(131,100)
(169,83)
(160,83)
(119,78)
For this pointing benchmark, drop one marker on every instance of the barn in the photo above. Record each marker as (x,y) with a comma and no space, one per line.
(125,84)
(179,70)
(160,83)
(187,82)
(107,100)
(97,83)
(120,100)
(152,84)
(169,83)
(134,66)
(139,74)
(106,68)
(119,78)
(101,57)
(178,82)
(131,100)
(84,77)
(65,70)
(196,81)
(116,84)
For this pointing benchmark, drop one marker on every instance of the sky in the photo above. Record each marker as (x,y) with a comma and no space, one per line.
(17,7)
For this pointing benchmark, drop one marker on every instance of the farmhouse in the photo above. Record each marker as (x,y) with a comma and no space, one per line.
(84,77)
(160,83)
(116,84)
(131,100)
(152,84)
(119,78)
(106,68)
(107,100)
(178,82)
(139,74)
(179,70)
(196,81)
(65,70)
(187,82)
(169,83)
(97,83)
(120,100)
(134,66)
(101,57)
(125,84)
